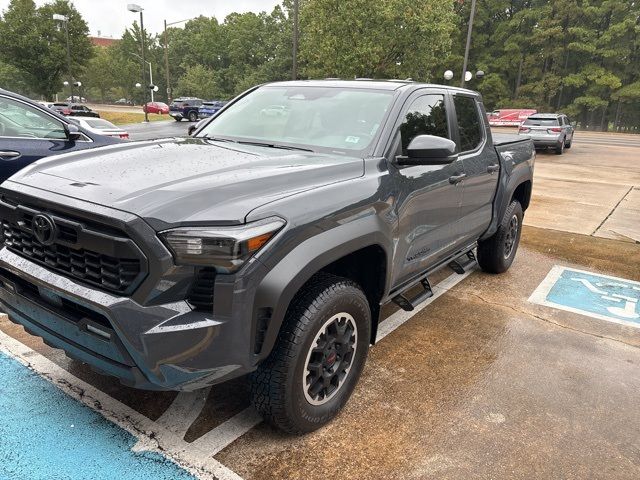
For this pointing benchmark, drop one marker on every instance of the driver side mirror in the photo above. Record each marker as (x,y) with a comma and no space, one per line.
(193,128)
(429,150)
(73,132)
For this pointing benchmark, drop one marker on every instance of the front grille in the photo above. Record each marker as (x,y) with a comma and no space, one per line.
(99,258)
(201,294)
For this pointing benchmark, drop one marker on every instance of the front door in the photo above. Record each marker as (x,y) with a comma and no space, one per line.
(428,202)
(28,134)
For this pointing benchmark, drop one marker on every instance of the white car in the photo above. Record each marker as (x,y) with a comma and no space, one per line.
(101,127)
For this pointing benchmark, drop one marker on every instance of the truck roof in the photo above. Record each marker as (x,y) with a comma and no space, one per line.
(369,83)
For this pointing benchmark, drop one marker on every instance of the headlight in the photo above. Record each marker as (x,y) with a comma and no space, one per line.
(225,248)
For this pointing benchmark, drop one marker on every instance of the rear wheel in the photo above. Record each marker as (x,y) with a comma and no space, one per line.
(193,116)
(568,144)
(318,357)
(560,147)
(496,253)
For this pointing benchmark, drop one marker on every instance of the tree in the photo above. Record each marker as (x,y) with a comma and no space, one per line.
(382,39)
(33,43)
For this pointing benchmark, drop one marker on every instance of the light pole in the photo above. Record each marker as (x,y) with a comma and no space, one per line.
(65,20)
(296,14)
(466,49)
(132,7)
(150,73)
(166,53)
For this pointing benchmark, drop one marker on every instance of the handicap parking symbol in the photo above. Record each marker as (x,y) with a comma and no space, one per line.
(599,296)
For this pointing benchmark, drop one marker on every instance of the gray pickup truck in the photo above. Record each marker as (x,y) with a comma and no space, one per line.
(267,242)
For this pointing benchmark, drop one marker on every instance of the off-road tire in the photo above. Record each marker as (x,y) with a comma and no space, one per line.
(494,253)
(277,387)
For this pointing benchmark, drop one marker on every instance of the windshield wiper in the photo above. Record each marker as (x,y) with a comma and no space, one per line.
(275,145)
(217,139)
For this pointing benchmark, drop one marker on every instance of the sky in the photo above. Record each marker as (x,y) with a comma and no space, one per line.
(109,18)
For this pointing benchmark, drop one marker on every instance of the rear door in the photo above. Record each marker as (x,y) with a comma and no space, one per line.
(428,202)
(480,163)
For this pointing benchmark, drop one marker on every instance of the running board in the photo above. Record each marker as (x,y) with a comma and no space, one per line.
(464,263)
(410,304)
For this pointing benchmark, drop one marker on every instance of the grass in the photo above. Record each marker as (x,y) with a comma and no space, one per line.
(124,118)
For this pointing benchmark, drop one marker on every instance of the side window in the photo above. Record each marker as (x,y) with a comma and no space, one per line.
(470,127)
(18,119)
(426,115)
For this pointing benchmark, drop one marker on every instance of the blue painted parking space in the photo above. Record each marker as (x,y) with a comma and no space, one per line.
(599,296)
(46,435)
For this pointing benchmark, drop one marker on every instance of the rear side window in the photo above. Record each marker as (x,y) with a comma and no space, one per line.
(541,122)
(469,124)
(427,115)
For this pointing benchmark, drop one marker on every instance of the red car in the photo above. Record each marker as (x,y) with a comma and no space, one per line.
(156,107)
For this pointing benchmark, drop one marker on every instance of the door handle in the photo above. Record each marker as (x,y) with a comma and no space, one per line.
(9,155)
(493,168)
(456,179)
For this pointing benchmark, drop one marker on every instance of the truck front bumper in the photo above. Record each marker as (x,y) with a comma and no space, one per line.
(159,347)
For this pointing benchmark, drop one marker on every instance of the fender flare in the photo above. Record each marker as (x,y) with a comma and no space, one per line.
(504,193)
(284,279)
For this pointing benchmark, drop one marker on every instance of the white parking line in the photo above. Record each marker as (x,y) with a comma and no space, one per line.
(392,322)
(228,432)
(183,411)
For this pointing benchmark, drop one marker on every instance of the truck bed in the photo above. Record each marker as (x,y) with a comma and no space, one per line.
(500,139)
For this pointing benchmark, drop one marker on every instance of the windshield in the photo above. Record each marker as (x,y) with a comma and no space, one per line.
(335,119)
(542,122)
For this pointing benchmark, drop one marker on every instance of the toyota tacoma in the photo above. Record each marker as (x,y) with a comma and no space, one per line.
(263,245)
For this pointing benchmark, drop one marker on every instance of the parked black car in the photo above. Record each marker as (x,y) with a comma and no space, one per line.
(185,107)
(30,131)
(263,244)
(83,111)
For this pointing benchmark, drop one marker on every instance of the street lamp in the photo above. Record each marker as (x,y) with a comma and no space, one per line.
(150,74)
(166,53)
(468,45)
(132,7)
(61,18)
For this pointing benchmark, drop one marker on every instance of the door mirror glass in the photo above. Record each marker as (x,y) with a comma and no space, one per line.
(73,132)
(429,150)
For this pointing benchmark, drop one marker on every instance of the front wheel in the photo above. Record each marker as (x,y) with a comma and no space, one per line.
(318,357)
(496,253)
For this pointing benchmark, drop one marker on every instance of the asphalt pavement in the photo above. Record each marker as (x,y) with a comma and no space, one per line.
(155,130)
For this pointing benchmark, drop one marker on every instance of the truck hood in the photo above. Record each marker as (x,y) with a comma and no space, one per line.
(187,180)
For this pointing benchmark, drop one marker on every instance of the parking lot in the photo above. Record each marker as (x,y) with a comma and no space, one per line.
(496,376)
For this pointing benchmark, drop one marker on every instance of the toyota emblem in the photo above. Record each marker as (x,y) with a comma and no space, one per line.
(44,229)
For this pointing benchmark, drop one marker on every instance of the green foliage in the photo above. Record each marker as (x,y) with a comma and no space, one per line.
(381,39)
(34,45)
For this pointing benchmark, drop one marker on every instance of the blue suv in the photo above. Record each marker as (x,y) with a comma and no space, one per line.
(30,131)
(209,109)
(185,107)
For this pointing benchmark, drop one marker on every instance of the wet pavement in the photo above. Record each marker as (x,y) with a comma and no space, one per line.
(481,383)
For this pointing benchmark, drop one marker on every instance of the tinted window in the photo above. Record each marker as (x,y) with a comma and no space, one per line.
(469,124)
(541,122)
(427,115)
(18,119)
